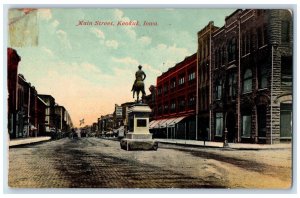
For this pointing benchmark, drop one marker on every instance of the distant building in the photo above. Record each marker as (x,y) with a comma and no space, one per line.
(175,101)
(50,119)
(125,107)
(28,116)
(117,117)
(41,116)
(106,124)
(150,99)
(62,119)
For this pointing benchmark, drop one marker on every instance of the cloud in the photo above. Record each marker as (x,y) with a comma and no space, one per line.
(119,16)
(148,67)
(145,40)
(112,44)
(45,14)
(169,55)
(126,60)
(48,51)
(88,67)
(63,37)
(98,33)
(55,23)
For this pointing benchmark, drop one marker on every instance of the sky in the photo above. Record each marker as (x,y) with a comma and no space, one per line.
(90,68)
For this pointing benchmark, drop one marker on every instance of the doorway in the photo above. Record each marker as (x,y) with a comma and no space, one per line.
(231,127)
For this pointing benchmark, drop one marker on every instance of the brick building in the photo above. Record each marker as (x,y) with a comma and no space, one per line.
(252,77)
(175,101)
(106,124)
(50,122)
(29,110)
(62,120)
(150,99)
(204,99)
(13,60)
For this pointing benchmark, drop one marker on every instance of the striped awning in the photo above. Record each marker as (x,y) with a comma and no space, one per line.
(164,123)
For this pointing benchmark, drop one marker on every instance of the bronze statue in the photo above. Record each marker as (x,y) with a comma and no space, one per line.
(138,84)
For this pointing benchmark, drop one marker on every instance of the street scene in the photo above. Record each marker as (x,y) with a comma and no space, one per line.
(101,163)
(150,98)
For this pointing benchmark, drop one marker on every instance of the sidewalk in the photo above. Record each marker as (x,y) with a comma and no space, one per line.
(30,140)
(241,146)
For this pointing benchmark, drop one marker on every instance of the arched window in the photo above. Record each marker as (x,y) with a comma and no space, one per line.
(247,81)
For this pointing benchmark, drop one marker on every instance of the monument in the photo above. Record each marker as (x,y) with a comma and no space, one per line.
(138,136)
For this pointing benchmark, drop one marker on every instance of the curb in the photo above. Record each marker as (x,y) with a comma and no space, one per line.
(222,147)
(29,143)
(192,145)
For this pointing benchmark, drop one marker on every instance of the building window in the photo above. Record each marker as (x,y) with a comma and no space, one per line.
(232,85)
(159,110)
(248,42)
(159,91)
(166,88)
(166,108)
(262,76)
(244,44)
(223,55)
(286,71)
(247,80)
(246,126)
(265,32)
(191,100)
(286,114)
(173,83)
(232,50)
(181,80)
(259,36)
(218,90)
(191,76)
(173,106)
(219,124)
(285,31)
(181,101)
(216,58)
(220,57)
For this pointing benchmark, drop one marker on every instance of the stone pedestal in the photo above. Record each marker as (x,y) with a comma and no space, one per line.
(138,137)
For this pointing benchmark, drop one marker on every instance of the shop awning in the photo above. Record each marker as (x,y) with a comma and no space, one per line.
(153,123)
(163,123)
(177,120)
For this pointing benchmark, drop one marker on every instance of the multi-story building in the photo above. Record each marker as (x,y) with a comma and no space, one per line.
(125,107)
(106,124)
(204,99)
(41,116)
(117,116)
(50,119)
(62,119)
(150,100)
(251,66)
(13,60)
(29,114)
(27,121)
(175,101)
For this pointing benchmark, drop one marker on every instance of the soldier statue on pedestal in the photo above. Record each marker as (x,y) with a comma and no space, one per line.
(138,84)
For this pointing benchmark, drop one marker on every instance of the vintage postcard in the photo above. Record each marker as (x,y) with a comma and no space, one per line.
(150,98)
